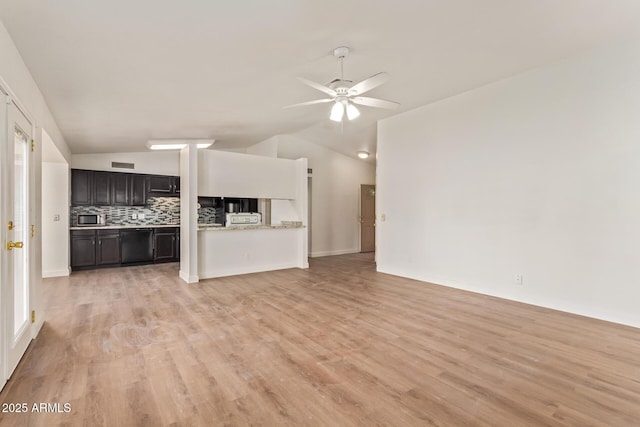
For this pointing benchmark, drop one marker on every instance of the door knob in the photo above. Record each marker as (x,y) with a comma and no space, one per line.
(11,245)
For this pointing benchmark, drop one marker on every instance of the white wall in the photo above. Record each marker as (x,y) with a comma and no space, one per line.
(244,175)
(268,147)
(15,76)
(150,162)
(535,175)
(335,194)
(55,234)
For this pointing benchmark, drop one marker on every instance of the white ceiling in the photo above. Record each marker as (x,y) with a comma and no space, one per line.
(117,73)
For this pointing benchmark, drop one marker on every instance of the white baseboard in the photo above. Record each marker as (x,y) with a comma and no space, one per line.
(552,305)
(55,273)
(222,272)
(189,279)
(38,326)
(318,254)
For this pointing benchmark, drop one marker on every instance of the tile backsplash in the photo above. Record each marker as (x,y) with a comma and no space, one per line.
(158,211)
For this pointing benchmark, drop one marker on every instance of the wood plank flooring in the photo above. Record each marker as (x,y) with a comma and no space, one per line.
(335,345)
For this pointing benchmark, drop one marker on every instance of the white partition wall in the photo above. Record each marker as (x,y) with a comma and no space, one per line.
(245,175)
(229,251)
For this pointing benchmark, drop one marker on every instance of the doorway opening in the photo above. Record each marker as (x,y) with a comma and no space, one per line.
(367,218)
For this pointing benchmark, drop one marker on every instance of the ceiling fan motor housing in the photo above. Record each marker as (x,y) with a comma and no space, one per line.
(341,52)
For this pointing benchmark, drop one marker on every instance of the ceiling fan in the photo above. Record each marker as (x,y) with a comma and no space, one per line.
(344,94)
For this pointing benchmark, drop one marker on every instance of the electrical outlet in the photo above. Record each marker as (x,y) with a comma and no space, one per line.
(140,216)
(134,216)
(383,217)
(518,279)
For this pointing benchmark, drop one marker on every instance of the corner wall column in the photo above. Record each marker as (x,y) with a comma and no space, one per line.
(189,214)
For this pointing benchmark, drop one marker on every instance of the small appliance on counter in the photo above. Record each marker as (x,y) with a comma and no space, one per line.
(91,220)
(243,218)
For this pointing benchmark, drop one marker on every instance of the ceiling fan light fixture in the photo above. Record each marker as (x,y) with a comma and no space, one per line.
(337,112)
(352,112)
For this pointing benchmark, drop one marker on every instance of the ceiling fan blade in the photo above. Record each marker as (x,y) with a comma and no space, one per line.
(374,102)
(317,101)
(367,84)
(318,86)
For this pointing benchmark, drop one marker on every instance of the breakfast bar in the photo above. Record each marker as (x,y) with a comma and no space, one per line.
(226,251)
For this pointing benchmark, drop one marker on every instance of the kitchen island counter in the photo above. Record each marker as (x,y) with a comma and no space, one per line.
(209,227)
(257,248)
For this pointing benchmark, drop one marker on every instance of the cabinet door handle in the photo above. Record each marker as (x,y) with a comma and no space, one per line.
(93,242)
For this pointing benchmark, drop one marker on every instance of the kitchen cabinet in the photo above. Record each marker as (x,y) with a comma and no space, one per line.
(176,185)
(120,189)
(210,202)
(164,186)
(138,190)
(115,247)
(81,187)
(165,243)
(83,248)
(128,189)
(102,188)
(90,248)
(108,247)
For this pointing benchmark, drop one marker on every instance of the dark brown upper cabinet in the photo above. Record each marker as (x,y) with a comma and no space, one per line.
(164,186)
(139,189)
(102,188)
(81,187)
(120,189)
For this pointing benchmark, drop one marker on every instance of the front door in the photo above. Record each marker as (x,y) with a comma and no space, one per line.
(367,218)
(16,324)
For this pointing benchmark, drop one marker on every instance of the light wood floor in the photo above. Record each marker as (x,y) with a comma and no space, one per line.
(335,345)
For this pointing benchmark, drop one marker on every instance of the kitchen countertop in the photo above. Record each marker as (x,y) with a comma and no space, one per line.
(246,227)
(118,227)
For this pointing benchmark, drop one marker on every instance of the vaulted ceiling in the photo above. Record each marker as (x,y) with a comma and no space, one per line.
(118,73)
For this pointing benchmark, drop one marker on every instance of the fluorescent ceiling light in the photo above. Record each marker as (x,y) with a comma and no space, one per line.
(352,112)
(363,154)
(337,111)
(167,146)
(178,144)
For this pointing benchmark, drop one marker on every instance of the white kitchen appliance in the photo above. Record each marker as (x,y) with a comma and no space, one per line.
(243,218)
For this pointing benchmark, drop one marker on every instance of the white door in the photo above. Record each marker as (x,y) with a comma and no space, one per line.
(16,147)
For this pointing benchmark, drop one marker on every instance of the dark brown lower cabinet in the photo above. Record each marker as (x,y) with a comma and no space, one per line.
(102,248)
(108,250)
(165,244)
(83,248)
(91,248)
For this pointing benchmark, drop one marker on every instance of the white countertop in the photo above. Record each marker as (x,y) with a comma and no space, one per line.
(246,227)
(118,227)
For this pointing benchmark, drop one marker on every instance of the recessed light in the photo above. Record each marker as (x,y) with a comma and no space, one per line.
(363,154)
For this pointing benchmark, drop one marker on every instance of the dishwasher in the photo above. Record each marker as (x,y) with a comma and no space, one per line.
(136,245)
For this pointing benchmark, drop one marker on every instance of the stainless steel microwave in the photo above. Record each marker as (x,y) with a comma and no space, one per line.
(88,220)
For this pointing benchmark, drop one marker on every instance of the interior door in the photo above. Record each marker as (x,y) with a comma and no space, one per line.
(15,287)
(367,218)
